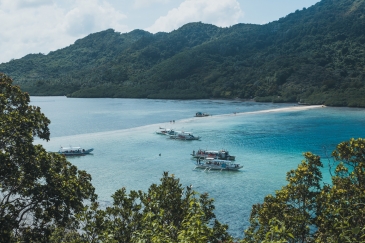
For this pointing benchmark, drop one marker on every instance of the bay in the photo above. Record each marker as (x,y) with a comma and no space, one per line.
(267,139)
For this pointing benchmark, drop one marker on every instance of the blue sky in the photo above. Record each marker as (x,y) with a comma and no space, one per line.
(41,26)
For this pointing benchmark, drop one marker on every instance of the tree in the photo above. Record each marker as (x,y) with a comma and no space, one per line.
(342,218)
(294,206)
(166,213)
(38,190)
(172,214)
(303,211)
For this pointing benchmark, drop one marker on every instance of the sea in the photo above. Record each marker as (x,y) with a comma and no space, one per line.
(268,139)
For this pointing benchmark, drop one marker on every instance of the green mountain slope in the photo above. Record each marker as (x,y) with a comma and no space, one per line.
(314,56)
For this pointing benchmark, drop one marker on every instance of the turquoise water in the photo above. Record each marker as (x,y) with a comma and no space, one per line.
(267,139)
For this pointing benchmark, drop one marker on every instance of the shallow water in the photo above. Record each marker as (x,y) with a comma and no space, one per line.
(267,139)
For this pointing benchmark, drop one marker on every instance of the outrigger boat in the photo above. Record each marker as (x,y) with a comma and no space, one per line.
(217,154)
(184,136)
(166,131)
(201,114)
(74,151)
(216,164)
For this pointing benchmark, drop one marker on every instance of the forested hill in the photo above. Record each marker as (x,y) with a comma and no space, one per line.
(315,55)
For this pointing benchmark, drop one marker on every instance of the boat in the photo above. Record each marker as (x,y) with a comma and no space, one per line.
(166,131)
(217,154)
(201,114)
(74,151)
(184,136)
(216,164)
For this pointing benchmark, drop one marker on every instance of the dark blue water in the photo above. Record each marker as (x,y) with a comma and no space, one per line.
(267,139)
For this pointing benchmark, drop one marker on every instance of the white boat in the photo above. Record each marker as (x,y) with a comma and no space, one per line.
(184,136)
(166,131)
(74,151)
(216,164)
(217,154)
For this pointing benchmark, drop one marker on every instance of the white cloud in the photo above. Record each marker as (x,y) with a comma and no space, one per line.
(31,3)
(91,16)
(222,13)
(26,29)
(19,4)
(40,26)
(147,3)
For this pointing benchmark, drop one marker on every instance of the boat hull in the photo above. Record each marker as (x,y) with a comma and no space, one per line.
(218,167)
(214,164)
(184,138)
(76,152)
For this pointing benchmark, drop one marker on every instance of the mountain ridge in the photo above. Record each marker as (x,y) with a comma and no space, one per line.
(314,55)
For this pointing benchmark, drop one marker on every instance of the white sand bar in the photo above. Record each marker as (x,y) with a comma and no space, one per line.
(179,123)
(285,109)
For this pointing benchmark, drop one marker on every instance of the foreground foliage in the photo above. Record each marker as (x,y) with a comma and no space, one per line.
(166,213)
(38,190)
(304,211)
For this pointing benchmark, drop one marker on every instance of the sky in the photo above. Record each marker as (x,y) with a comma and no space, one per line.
(41,26)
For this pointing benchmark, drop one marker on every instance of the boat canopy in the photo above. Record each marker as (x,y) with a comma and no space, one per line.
(219,160)
(211,152)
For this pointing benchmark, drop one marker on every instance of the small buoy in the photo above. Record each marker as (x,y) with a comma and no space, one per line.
(159,154)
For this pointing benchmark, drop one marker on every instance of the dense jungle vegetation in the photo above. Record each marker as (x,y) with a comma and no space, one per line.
(314,56)
(44,198)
